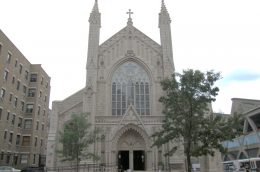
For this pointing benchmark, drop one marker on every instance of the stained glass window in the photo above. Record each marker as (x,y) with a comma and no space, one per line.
(130,85)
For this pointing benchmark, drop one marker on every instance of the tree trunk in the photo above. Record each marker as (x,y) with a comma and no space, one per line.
(77,160)
(77,166)
(189,166)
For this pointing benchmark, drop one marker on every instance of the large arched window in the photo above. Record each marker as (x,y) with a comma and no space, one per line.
(130,85)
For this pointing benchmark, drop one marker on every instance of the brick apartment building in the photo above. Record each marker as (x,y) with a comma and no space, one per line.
(24,108)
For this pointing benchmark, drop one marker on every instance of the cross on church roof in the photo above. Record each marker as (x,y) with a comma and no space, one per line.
(129,13)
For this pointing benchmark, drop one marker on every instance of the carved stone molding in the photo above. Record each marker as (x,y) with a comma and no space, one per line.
(129,54)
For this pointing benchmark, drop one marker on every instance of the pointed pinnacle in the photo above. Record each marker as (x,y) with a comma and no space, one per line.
(163,8)
(164,15)
(95,8)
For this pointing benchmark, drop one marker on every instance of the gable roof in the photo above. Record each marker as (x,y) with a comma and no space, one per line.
(125,33)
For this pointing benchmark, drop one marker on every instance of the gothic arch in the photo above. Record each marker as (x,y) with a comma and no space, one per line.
(135,59)
(122,130)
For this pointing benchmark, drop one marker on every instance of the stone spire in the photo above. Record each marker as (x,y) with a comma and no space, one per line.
(91,67)
(163,8)
(164,15)
(94,17)
(94,33)
(95,8)
(166,40)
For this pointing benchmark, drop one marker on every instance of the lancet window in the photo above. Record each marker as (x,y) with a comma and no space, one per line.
(130,86)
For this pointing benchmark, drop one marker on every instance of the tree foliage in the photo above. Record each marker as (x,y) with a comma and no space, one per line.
(188,115)
(76,138)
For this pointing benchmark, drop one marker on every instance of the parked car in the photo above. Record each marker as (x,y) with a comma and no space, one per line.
(8,169)
(33,169)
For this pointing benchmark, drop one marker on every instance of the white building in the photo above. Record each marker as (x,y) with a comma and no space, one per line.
(248,144)
(121,96)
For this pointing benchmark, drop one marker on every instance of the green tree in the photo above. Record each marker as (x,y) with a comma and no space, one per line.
(76,138)
(189,120)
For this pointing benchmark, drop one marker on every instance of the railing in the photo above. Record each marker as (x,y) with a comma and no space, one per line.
(244,140)
(25,148)
(116,119)
(27,131)
(85,168)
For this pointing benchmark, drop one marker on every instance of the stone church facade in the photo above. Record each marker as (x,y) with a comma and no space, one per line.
(121,96)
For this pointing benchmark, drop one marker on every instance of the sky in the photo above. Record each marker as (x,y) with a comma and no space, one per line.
(219,35)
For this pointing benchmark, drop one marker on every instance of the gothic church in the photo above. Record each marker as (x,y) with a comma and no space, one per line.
(121,96)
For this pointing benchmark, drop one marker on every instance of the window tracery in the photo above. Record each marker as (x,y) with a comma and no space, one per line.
(130,85)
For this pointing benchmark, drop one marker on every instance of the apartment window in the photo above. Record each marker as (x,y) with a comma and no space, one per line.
(22,106)
(26,141)
(47,84)
(37,125)
(2,156)
(39,110)
(15,101)
(13,119)
(34,158)
(26,75)
(18,139)
(24,159)
(27,124)
(24,89)
(2,93)
(35,141)
(15,159)
(8,116)
(41,143)
(0,48)
(13,80)
(33,78)
(42,127)
(29,108)
(15,64)
(10,97)
(20,121)
(20,68)
(6,75)
(9,56)
(40,94)
(18,85)
(1,112)
(42,80)
(11,138)
(43,113)
(31,92)
(8,157)
(45,98)
(5,135)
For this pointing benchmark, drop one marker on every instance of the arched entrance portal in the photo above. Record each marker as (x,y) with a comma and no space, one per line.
(131,151)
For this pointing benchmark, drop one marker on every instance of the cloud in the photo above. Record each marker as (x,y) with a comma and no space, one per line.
(241,76)
(245,90)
